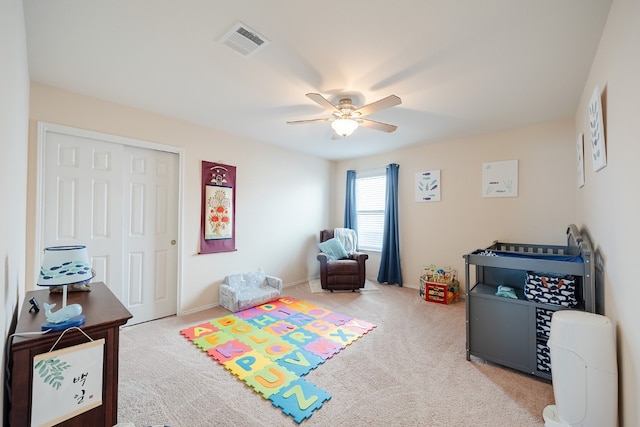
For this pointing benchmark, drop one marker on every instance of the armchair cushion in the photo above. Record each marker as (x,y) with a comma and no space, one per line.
(334,249)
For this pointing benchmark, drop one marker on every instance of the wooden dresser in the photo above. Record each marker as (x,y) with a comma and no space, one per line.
(104,316)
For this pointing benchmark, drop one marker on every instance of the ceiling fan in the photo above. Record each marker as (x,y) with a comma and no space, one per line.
(346,117)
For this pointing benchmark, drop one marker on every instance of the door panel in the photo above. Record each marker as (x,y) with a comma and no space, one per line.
(67,190)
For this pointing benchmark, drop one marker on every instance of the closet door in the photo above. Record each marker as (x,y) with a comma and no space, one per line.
(82,201)
(150,232)
(120,201)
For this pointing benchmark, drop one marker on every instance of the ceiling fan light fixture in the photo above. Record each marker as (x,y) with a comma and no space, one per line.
(344,127)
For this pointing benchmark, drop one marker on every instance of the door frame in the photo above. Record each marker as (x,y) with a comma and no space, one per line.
(43,129)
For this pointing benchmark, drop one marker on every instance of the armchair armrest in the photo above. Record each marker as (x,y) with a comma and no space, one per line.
(274,282)
(323,258)
(359,256)
(228,297)
(228,291)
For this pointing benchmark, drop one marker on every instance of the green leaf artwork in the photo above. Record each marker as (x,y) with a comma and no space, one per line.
(50,371)
(596,126)
(427,186)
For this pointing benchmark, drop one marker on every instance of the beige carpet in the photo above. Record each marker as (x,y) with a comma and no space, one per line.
(409,371)
(316,287)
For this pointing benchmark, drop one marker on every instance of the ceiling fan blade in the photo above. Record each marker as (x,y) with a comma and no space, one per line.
(298,122)
(322,101)
(367,123)
(381,104)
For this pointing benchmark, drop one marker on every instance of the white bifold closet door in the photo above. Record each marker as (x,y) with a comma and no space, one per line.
(121,201)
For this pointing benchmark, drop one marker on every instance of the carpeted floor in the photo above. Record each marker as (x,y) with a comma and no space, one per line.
(409,371)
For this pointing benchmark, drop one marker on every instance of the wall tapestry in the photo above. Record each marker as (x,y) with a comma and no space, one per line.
(598,150)
(427,186)
(218,232)
(500,179)
(580,149)
(66,383)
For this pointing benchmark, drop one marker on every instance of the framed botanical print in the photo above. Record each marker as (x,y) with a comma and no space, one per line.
(596,127)
(500,179)
(427,186)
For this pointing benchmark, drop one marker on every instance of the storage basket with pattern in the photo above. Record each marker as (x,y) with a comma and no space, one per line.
(543,358)
(549,288)
(543,323)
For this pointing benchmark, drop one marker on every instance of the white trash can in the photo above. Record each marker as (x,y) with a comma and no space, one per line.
(584,371)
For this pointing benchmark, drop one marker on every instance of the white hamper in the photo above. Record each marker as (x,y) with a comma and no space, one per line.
(584,371)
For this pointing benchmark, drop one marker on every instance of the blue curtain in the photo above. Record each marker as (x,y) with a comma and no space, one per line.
(390,271)
(350,209)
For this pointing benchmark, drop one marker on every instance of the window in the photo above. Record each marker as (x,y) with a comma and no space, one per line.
(370,196)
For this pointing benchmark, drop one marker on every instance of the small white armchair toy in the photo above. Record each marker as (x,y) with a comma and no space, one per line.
(242,291)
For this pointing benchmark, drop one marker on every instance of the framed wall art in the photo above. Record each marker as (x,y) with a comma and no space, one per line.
(218,226)
(427,186)
(596,127)
(500,179)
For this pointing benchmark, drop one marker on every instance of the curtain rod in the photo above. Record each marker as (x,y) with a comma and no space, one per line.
(369,170)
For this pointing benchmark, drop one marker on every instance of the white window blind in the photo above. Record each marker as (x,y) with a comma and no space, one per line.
(370,197)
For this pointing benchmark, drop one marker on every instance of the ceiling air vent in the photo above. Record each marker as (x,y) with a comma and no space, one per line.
(244,40)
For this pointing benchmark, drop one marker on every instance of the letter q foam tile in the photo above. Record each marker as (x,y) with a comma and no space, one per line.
(272,346)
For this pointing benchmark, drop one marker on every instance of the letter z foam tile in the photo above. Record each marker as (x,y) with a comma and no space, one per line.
(299,399)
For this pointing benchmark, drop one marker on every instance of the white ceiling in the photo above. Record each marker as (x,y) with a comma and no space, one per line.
(461,67)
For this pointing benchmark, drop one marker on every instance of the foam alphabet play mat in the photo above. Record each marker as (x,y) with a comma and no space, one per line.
(272,347)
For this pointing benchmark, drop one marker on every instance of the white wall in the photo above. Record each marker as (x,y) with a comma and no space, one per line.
(441,232)
(14,116)
(607,206)
(281,195)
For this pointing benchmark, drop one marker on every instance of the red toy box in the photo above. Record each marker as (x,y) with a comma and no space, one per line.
(441,293)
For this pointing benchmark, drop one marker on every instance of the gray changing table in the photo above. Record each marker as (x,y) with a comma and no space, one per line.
(514,332)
